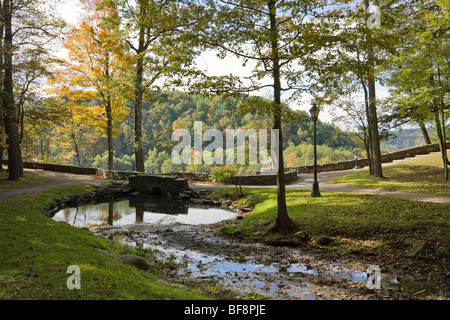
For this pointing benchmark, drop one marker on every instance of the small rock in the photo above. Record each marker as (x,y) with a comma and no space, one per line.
(324,241)
(183,195)
(301,236)
(226,295)
(282,243)
(416,248)
(443,252)
(135,261)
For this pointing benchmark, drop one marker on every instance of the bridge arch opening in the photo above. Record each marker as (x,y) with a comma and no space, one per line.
(156,191)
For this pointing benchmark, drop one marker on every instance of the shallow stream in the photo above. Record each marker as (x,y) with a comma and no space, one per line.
(184,233)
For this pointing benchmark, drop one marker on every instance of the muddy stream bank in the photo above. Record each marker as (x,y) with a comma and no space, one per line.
(188,235)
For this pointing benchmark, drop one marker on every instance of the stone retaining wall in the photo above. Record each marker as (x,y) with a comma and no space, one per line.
(201,177)
(246,180)
(265,179)
(387,157)
(57,167)
(115,175)
(260,180)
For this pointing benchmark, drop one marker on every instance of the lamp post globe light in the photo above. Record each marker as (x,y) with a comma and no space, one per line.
(314,111)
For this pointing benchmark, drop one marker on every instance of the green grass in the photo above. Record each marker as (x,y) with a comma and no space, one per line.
(423,175)
(26,180)
(357,222)
(36,251)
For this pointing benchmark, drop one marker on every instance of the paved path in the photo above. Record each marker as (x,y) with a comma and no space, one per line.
(55,179)
(305,182)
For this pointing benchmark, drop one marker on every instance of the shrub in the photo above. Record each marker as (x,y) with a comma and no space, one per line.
(223,174)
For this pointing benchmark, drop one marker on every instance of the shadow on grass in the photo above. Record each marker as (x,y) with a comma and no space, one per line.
(27,180)
(364,221)
(406,178)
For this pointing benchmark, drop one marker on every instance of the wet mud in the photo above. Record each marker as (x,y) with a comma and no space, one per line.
(251,269)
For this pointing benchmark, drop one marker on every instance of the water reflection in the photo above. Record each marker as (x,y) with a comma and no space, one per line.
(149,209)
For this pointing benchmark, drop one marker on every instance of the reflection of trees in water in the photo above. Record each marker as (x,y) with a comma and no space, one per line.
(79,211)
(110,213)
(139,215)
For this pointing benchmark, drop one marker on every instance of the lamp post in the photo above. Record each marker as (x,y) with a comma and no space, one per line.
(314,111)
(356,163)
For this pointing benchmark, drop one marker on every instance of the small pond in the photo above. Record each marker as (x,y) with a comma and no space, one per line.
(148,209)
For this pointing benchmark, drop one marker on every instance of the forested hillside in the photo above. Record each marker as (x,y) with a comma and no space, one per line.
(77,140)
(408,138)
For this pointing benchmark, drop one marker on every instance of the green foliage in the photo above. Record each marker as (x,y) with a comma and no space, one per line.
(126,163)
(167,111)
(223,174)
(36,251)
(303,155)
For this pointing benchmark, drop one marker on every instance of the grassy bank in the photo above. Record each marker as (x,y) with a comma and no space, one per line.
(27,180)
(36,251)
(355,223)
(418,175)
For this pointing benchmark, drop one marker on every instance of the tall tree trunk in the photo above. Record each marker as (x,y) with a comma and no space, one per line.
(369,132)
(2,124)
(424,130)
(109,135)
(283,222)
(373,120)
(442,143)
(138,94)
(109,116)
(444,140)
(367,148)
(72,134)
(15,166)
(375,141)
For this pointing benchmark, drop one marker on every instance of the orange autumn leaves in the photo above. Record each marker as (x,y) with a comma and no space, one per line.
(97,69)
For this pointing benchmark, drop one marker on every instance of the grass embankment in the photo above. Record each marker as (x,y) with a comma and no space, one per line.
(418,175)
(36,251)
(356,223)
(27,180)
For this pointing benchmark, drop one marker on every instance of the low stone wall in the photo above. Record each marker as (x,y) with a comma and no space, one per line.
(265,179)
(200,177)
(387,157)
(115,175)
(57,167)
(256,179)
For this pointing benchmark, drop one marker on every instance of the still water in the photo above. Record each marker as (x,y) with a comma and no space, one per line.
(136,210)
